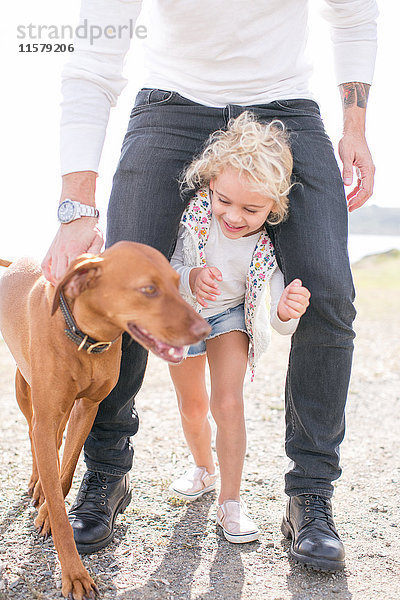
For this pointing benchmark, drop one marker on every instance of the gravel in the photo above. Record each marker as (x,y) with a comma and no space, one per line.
(168,549)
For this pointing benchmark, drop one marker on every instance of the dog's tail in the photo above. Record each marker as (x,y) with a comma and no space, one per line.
(4,263)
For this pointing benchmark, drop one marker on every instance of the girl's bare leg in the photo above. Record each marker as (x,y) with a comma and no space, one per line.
(189,381)
(227,357)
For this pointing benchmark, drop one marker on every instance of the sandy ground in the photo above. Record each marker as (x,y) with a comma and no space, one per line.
(165,549)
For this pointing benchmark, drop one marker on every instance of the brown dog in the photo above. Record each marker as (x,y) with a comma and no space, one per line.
(62,371)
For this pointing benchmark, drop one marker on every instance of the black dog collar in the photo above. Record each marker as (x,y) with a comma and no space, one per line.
(81,339)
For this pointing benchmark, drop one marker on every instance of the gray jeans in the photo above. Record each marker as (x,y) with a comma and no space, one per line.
(165,131)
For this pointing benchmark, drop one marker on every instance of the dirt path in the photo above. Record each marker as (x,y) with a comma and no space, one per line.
(167,550)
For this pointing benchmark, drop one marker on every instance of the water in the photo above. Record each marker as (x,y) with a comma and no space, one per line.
(363,245)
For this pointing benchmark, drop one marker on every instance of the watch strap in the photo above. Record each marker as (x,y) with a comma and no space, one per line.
(87,211)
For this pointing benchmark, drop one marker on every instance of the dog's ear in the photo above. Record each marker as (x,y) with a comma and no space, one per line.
(80,275)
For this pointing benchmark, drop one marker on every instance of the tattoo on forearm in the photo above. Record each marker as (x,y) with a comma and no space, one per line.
(354,93)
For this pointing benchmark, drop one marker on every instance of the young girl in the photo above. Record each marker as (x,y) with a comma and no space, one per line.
(226,259)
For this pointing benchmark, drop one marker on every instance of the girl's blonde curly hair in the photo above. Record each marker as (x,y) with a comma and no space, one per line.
(260,152)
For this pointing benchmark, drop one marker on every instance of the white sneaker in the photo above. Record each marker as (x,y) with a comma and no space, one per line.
(237,526)
(194,483)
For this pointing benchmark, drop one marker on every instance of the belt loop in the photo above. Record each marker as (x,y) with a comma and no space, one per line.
(227,114)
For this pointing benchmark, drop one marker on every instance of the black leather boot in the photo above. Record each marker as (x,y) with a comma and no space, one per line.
(315,541)
(100,499)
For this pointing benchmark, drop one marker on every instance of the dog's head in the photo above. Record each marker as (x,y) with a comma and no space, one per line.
(134,287)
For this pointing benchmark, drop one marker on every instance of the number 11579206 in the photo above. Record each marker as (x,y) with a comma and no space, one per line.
(45,48)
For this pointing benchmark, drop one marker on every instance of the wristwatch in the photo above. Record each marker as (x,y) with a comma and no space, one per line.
(70,210)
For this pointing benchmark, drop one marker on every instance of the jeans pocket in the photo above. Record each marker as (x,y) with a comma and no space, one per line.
(300,106)
(158,97)
(147,97)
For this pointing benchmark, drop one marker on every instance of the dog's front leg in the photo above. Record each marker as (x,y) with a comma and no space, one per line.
(80,423)
(37,494)
(49,410)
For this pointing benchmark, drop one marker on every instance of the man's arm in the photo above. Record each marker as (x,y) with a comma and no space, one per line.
(354,33)
(92,82)
(353,147)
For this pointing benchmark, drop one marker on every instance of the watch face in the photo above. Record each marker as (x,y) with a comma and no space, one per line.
(66,211)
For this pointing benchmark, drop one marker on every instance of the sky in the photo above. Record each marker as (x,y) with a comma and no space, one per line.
(30,111)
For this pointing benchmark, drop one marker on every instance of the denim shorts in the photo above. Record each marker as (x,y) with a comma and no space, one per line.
(232,319)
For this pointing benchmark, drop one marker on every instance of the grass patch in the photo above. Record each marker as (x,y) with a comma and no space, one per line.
(379,271)
(377,282)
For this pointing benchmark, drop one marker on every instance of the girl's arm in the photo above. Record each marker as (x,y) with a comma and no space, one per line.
(197,282)
(276,287)
(180,268)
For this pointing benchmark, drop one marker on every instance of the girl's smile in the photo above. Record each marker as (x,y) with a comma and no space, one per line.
(238,210)
(232,228)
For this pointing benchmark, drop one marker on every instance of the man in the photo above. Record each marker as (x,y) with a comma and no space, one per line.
(205,63)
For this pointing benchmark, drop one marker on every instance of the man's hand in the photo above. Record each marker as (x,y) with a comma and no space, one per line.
(203,283)
(294,301)
(72,239)
(353,147)
(354,152)
(77,237)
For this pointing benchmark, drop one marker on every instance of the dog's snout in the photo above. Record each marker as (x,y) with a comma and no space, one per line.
(200,328)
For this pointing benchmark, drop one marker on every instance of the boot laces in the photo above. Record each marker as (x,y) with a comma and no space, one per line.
(318,508)
(93,489)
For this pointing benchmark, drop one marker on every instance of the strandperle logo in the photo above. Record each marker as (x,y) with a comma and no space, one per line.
(84,30)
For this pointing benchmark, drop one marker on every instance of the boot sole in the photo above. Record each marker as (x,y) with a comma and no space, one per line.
(90,548)
(328,566)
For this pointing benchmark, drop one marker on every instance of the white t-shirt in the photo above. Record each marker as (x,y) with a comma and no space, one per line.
(216,53)
(233,259)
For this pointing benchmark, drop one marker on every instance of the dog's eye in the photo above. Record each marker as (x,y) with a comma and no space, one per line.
(149,290)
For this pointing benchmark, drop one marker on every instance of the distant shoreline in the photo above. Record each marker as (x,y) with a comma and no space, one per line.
(361,245)
(375,220)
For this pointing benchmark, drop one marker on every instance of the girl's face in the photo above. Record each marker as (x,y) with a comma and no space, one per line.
(239,210)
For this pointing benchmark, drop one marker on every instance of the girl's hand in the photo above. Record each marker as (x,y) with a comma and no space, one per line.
(294,301)
(203,282)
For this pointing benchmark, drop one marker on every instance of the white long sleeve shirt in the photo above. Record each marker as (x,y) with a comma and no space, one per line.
(232,258)
(215,53)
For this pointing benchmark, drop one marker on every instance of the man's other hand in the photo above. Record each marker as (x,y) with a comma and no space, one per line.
(354,152)
(353,148)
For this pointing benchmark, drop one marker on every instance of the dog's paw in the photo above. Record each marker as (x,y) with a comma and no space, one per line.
(38,495)
(79,586)
(32,483)
(42,522)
